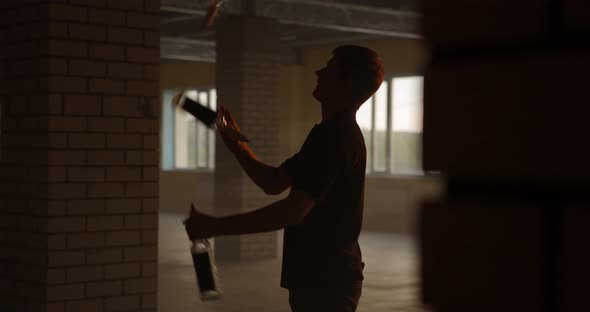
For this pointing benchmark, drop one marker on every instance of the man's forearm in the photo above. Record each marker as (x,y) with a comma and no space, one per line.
(263,175)
(270,218)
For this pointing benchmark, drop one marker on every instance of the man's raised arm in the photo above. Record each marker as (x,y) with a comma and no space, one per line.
(271,180)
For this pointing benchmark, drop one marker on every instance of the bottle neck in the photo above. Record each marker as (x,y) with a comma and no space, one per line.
(199,246)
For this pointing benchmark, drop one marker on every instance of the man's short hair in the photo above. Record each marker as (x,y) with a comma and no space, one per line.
(363,66)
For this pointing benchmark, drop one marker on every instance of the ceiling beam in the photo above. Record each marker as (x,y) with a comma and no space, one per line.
(187,49)
(334,40)
(335,4)
(170,41)
(204,51)
(332,15)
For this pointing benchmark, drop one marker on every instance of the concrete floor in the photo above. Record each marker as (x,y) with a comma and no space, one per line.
(390,276)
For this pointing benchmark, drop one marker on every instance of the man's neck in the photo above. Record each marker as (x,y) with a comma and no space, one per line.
(328,111)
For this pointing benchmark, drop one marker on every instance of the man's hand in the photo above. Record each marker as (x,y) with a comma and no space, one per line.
(176,98)
(198,225)
(225,125)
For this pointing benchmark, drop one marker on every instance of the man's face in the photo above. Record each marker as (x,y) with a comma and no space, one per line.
(331,84)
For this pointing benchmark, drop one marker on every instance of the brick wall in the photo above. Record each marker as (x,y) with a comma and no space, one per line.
(505,118)
(247,80)
(79,155)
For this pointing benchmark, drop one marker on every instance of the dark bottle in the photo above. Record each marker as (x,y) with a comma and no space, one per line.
(209,117)
(205,269)
(203,113)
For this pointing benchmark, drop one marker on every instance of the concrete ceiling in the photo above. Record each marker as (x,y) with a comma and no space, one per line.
(303,23)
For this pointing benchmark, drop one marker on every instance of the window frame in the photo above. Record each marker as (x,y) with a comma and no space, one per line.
(389,171)
(172,127)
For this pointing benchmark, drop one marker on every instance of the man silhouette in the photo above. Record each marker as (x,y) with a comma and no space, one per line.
(322,215)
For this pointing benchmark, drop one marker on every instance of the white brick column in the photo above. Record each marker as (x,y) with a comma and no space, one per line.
(79,162)
(247,80)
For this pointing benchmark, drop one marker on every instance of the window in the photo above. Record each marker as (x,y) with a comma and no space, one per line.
(187,143)
(391,122)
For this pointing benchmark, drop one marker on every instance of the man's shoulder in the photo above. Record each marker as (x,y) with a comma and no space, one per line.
(349,132)
(342,137)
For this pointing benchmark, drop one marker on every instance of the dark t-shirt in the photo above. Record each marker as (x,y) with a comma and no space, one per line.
(323,249)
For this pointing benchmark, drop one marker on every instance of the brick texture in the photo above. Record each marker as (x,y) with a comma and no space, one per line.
(522,114)
(444,23)
(505,120)
(75,79)
(249,45)
(575,259)
(24,147)
(511,249)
